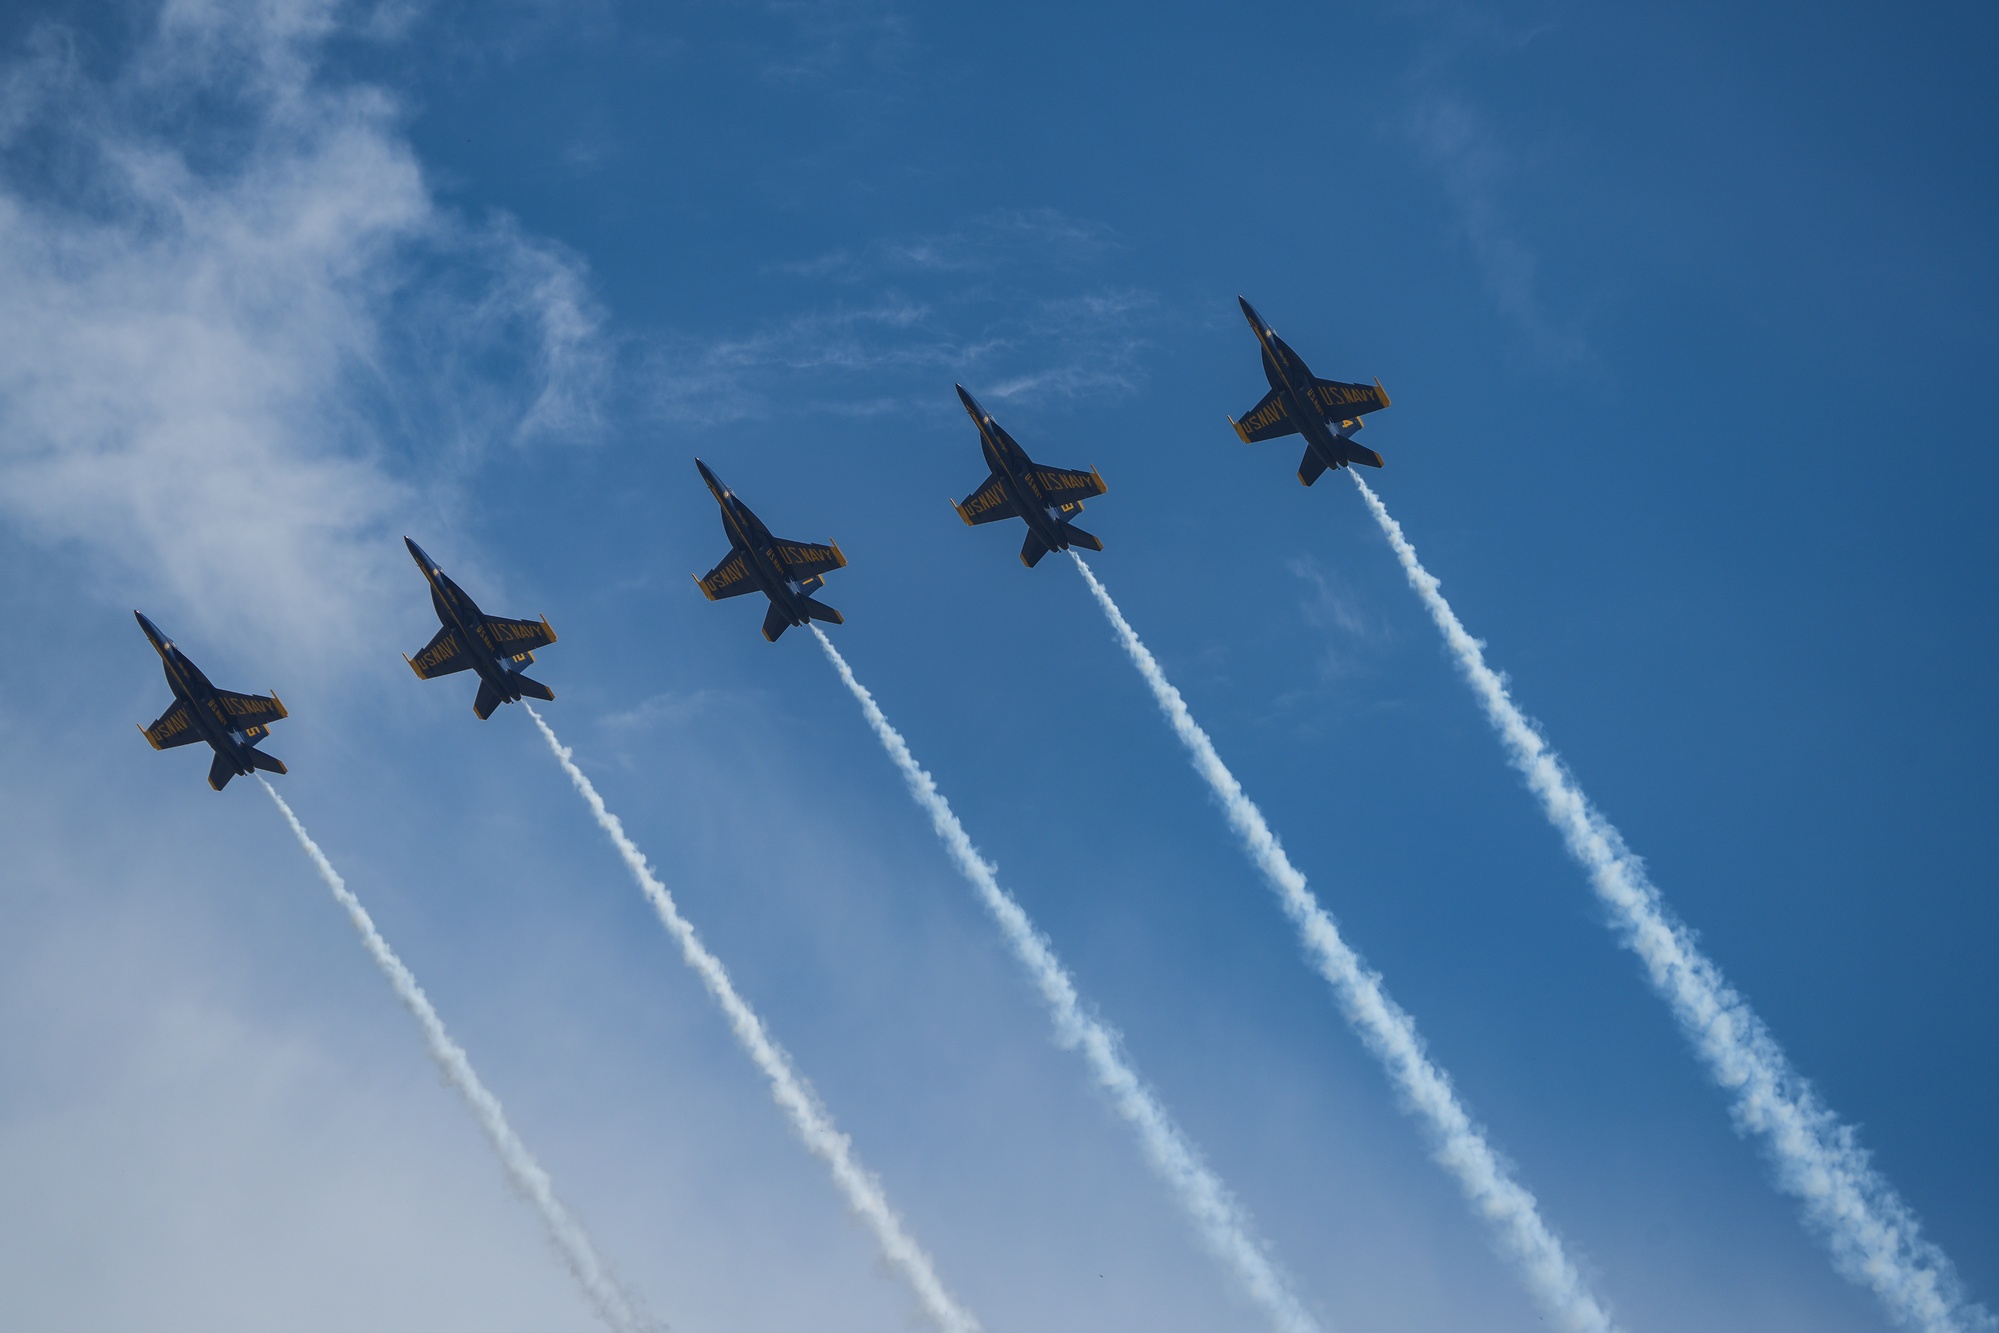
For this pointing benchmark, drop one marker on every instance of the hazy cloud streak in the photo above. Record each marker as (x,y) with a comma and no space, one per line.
(1221,1220)
(1874,1237)
(813,1123)
(1387,1029)
(571,1242)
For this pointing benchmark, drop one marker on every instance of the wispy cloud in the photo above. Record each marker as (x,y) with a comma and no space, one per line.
(226,348)
(1351,632)
(1004,239)
(1474,164)
(856,359)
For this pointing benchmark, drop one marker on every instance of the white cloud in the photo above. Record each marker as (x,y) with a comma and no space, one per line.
(207,258)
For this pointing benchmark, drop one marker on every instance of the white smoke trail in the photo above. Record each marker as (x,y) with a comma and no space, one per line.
(1387,1029)
(615,1308)
(1874,1237)
(812,1121)
(1214,1210)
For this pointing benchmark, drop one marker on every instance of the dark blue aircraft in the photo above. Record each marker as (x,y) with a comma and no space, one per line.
(1325,412)
(231,723)
(786,572)
(1019,487)
(471,640)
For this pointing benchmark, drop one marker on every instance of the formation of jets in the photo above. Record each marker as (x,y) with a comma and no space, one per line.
(1325,412)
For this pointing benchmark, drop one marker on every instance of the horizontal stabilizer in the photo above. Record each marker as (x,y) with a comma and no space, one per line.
(1311,468)
(776,623)
(220,771)
(1078,537)
(269,763)
(533,689)
(1360,453)
(1032,549)
(821,611)
(487,701)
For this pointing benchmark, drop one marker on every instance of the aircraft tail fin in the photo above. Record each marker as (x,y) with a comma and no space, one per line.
(533,689)
(1311,468)
(1032,549)
(220,771)
(488,700)
(269,763)
(1078,537)
(775,623)
(821,611)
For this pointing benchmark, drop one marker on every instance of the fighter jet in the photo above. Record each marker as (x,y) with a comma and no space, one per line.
(231,723)
(1047,497)
(1325,412)
(471,640)
(786,572)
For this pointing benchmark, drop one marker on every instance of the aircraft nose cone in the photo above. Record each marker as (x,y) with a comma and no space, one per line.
(1249,313)
(152,633)
(971,403)
(418,554)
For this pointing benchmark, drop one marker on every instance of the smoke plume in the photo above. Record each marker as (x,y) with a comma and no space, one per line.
(1220,1220)
(812,1122)
(1388,1030)
(1874,1237)
(612,1305)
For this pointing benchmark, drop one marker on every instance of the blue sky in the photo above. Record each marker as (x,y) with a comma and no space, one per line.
(1687,315)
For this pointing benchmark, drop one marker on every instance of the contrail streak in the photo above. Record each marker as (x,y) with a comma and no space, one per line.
(812,1122)
(1874,1237)
(1387,1029)
(1220,1219)
(613,1306)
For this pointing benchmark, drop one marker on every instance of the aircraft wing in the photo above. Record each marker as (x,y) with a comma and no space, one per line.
(988,504)
(175,727)
(1066,486)
(246,712)
(516,638)
(441,656)
(1266,421)
(1346,401)
(805,559)
(731,578)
